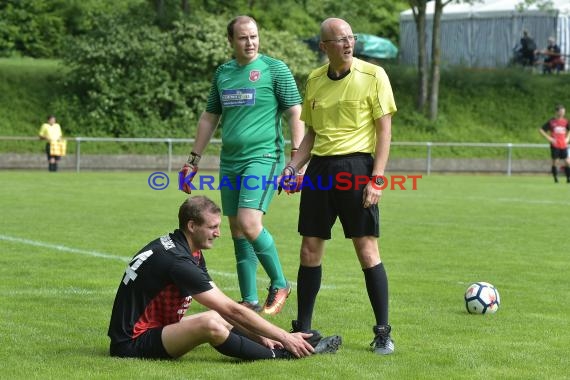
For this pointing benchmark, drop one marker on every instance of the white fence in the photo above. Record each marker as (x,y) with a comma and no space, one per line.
(425,163)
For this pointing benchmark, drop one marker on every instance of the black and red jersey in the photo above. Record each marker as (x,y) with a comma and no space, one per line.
(157,287)
(558,129)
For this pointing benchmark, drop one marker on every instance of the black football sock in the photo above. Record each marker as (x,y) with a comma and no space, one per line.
(377,287)
(308,286)
(241,347)
(555,173)
(567,171)
(237,331)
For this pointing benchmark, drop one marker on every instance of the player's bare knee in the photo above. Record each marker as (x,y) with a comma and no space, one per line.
(310,257)
(217,331)
(250,228)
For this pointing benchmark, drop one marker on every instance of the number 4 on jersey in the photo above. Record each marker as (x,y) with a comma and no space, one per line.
(130,272)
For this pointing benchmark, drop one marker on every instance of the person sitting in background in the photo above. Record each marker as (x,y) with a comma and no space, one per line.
(553,60)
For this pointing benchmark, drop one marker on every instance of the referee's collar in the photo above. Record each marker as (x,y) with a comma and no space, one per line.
(331,75)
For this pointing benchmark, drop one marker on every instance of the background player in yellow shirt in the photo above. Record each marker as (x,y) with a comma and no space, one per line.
(347,109)
(51,131)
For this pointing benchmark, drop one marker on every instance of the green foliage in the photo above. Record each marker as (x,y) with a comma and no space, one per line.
(378,17)
(143,67)
(131,79)
(284,45)
(28,88)
(31,28)
(38,28)
(501,105)
(475,105)
(166,12)
(286,16)
(81,15)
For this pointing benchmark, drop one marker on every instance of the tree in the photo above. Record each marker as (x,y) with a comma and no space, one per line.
(378,17)
(169,11)
(32,28)
(127,78)
(428,85)
(419,12)
(435,59)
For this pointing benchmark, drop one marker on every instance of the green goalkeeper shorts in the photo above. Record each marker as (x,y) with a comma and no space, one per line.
(250,184)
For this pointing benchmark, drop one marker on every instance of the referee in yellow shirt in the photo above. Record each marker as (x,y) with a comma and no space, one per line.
(51,131)
(347,110)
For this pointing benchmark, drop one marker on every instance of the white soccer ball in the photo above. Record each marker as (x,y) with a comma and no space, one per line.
(482,298)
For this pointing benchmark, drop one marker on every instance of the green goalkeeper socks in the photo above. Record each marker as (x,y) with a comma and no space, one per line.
(266,252)
(246,264)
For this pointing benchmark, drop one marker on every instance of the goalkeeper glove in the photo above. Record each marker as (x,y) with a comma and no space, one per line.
(291,182)
(295,184)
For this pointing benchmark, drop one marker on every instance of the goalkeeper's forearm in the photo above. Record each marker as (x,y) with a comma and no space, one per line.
(206,127)
(303,154)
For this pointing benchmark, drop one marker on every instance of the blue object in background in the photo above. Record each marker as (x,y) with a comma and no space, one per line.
(372,46)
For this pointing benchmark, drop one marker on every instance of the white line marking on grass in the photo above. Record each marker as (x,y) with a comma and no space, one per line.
(108,256)
(63,248)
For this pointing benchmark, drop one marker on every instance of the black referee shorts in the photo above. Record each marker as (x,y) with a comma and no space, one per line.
(333,187)
(148,345)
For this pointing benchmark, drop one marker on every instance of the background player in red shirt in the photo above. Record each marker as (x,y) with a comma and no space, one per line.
(556,131)
(149,318)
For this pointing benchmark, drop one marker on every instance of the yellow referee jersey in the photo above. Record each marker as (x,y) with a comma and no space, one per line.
(51,132)
(342,112)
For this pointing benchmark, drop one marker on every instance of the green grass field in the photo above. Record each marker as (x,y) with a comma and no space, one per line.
(65,239)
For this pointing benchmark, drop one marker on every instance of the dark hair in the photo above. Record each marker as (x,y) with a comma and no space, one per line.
(230,28)
(194,208)
(559,107)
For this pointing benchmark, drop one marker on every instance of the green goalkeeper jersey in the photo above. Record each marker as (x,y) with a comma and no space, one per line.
(251,100)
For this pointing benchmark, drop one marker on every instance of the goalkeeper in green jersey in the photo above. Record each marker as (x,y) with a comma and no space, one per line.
(248,97)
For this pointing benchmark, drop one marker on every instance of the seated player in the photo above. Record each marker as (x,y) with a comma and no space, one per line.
(149,317)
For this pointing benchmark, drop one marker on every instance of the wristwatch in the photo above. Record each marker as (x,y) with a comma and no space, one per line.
(378,180)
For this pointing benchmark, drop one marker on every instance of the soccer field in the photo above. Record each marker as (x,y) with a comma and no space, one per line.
(65,239)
